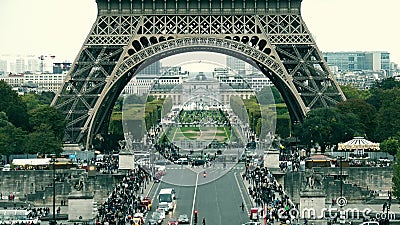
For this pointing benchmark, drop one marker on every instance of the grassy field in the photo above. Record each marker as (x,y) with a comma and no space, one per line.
(220,134)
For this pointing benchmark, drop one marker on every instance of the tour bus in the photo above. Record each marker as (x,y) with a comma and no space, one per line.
(167,195)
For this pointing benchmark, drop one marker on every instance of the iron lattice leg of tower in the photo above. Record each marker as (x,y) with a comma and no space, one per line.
(128,35)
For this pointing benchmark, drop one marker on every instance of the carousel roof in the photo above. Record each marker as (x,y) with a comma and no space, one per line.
(359,143)
(319,158)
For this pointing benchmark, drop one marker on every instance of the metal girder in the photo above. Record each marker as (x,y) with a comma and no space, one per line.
(272,37)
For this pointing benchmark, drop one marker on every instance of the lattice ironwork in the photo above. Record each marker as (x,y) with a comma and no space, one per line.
(272,36)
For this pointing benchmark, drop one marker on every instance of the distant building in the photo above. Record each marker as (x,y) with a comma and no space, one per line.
(63,67)
(34,82)
(19,65)
(142,83)
(152,69)
(202,89)
(33,65)
(236,65)
(258,81)
(3,67)
(359,79)
(359,61)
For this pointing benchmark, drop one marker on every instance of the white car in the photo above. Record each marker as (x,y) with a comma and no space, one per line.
(370,223)
(163,207)
(143,162)
(181,161)
(158,217)
(6,167)
(183,218)
(252,223)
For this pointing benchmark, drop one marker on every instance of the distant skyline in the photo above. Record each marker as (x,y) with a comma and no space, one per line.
(59,27)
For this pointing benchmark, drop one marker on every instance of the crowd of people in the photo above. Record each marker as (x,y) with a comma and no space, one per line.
(125,199)
(107,164)
(290,162)
(268,194)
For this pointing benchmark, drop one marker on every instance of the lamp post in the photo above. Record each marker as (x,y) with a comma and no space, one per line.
(386,206)
(341,177)
(53,222)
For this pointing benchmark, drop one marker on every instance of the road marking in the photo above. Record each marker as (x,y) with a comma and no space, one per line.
(194,198)
(241,193)
(155,193)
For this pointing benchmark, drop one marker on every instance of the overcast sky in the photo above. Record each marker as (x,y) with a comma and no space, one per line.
(59,27)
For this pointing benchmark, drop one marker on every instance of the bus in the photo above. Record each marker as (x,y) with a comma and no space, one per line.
(18,216)
(167,195)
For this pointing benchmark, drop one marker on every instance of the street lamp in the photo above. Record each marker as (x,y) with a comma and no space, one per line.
(341,176)
(386,206)
(53,162)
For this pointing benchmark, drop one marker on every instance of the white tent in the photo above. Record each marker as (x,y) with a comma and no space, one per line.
(31,162)
(358,145)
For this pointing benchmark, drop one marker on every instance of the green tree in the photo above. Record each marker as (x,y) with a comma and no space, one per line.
(387,119)
(379,89)
(351,92)
(31,101)
(396,176)
(390,145)
(4,120)
(43,141)
(327,127)
(12,140)
(46,97)
(269,95)
(365,112)
(13,106)
(47,115)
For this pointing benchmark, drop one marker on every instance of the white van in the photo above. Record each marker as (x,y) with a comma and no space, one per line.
(182,161)
(167,196)
(6,167)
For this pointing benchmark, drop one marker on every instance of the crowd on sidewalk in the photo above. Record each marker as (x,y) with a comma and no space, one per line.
(107,164)
(125,199)
(266,193)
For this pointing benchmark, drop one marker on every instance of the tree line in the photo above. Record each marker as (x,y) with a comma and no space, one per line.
(28,125)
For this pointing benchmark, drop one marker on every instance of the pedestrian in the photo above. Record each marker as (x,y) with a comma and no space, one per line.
(242,206)
(204,221)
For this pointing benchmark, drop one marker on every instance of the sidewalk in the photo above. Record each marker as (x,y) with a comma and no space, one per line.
(62,218)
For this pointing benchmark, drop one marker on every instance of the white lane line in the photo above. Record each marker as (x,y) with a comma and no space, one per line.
(194,198)
(241,194)
(155,193)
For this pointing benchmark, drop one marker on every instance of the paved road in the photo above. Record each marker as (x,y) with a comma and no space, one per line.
(216,198)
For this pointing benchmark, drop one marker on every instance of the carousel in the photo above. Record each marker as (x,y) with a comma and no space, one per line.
(358,148)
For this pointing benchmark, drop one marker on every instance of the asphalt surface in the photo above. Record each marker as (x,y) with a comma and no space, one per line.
(217,197)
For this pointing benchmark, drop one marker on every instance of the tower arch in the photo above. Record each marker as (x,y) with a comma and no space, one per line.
(127,37)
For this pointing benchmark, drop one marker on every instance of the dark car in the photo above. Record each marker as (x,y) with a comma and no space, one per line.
(163,162)
(199,162)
